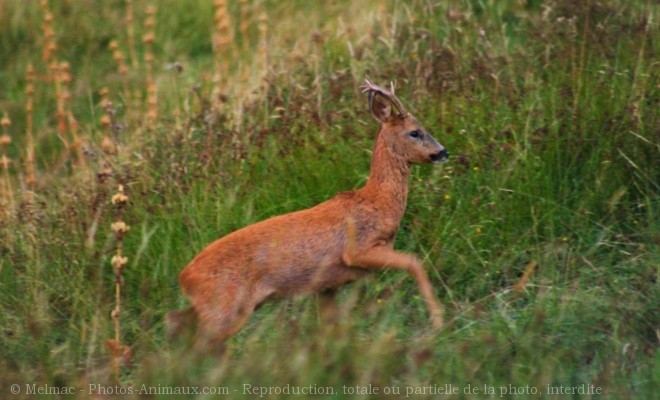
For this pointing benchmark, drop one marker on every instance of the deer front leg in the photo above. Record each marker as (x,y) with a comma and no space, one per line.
(382,257)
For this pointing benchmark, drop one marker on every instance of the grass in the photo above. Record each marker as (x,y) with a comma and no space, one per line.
(550,112)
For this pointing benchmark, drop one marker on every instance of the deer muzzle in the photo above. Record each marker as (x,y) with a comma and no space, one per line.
(440,156)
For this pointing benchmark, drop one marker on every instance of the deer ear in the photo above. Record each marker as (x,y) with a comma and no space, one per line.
(380,106)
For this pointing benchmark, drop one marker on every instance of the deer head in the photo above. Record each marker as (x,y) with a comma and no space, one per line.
(403,135)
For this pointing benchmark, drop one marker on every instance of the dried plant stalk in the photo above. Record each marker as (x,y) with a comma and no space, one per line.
(30,169)
(7,195)
(148,40)
(119,352)
(222,40)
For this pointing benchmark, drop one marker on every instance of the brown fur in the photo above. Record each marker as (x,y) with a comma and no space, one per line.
(311,250)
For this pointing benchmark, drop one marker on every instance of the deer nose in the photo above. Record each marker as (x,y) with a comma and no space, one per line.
(440,156)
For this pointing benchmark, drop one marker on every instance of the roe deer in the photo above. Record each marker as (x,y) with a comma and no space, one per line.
(319,248)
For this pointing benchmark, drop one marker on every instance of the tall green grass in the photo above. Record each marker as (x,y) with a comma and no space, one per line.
(550,112)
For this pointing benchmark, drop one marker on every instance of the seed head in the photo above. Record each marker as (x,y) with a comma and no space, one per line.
(119,261)
(4,162)
(148,38)
(149,22)
(120,227)
(105,120)
(108,145)
(152,114)
(120,198)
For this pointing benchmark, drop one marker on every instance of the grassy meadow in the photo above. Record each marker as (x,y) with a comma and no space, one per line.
(541,234)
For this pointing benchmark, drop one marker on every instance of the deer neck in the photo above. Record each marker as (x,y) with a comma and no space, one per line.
(387,186)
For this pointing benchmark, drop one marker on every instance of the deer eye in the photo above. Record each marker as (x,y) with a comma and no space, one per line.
(415,134)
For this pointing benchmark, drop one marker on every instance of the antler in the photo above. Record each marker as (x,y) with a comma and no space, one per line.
(371,87)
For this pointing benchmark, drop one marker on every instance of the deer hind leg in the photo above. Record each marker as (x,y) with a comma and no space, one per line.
(382,257)
(221,311)
(215,330)
(180,323)
(327,306)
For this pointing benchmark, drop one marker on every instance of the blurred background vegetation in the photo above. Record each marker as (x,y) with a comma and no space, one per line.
(541,235)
